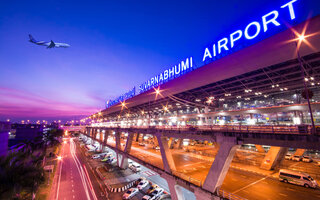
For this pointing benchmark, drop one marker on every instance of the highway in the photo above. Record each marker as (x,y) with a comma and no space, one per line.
(73,181)
(242,183)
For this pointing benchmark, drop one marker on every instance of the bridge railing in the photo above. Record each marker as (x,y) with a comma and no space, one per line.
(280,129)
(227,195)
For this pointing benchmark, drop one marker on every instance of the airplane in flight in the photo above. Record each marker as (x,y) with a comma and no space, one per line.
(49,45)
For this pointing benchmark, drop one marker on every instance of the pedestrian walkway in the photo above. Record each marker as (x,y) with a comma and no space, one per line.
(124,179)
(149,173)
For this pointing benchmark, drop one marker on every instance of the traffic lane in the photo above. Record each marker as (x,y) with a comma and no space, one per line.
(254,186)
(272,189)
(96,184)
(71,186)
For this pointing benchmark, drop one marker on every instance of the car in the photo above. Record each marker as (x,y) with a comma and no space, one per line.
(154,195)
(140,179)
(288,157)
(141,144)
(111,160)
(95,156)
(157,148)
(142,184)
(107,158)
(152,188)
(130,193)
(297,158)
(147,197)
(135,167)
(307,159)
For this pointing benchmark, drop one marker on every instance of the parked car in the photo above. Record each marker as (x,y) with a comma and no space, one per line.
(141,144)
(307,159)
(95,156)
(154,195)
(152,188)
(288,157)
(143,184)
(135,167)
(130,193)
(157,148)
(107,158)
(140,179)
(297,158)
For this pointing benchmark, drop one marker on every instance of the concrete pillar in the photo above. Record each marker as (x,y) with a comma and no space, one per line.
(171,143)
(299,152)
(175,191)
(137,138)
(180,143)
(101,136)
(273,158)
(106,135)
(221,163)
(155,141)
(167,159)
(260,148)
(127,149)
(203,195)
(118,146)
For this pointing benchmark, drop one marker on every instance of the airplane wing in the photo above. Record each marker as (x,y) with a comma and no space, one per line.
(51,45)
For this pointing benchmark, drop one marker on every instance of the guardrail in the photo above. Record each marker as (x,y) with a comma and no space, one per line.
(228,195)
(279,129)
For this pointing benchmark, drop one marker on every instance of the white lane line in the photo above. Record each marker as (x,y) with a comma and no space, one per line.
(251,184)
(290,189)
(283,194)
(58,188)
(78,168)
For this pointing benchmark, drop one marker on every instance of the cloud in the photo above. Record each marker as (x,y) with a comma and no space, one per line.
(18,103)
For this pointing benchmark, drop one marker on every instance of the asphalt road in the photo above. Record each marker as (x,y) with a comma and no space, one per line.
(245,184)
(74,181)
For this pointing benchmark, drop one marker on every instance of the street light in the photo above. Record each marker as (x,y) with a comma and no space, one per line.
(302,38)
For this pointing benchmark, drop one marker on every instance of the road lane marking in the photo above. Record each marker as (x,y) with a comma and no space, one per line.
(58,188)
(283,194)
(251,184)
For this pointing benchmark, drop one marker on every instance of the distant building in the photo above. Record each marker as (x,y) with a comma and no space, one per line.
(4,136)
(21,132)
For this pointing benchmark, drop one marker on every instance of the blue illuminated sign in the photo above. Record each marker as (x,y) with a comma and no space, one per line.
(121,98)
(168,74)
(267,25)
(251,31)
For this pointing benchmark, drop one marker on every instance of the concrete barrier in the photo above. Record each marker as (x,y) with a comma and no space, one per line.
(120,189)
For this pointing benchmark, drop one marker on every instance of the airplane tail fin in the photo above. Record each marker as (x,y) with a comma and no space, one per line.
(31,38)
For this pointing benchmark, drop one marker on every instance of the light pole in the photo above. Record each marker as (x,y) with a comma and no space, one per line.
(302,38)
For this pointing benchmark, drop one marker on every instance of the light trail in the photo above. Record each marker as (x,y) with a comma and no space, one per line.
(83,173)
(58,188)
(72,150)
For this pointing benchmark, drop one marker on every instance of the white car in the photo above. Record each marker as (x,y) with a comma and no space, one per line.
(130,193)
(288,157)
(95,156)
(297,158)
(154,195)
(143,184)
(307,159)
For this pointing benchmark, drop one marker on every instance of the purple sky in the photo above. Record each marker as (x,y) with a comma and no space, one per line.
(114,46)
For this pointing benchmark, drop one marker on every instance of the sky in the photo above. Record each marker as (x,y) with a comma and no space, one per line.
(115,45)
